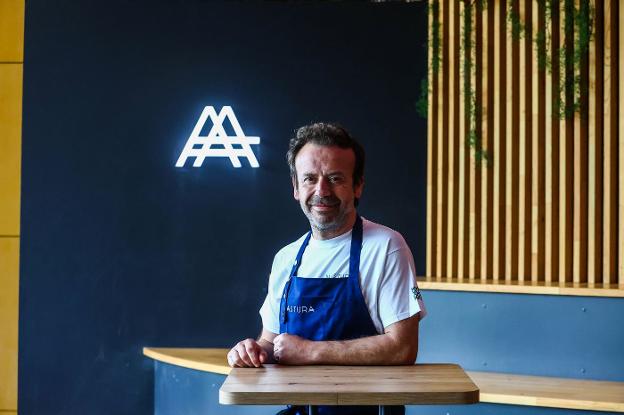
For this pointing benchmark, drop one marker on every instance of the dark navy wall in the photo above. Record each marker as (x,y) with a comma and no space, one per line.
(120,249)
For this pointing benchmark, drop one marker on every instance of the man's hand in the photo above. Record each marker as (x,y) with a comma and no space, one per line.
(292,350)
(247,353)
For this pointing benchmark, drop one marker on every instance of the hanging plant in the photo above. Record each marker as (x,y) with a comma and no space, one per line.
(578,24)
(434,44)
(515,25)
(467,45)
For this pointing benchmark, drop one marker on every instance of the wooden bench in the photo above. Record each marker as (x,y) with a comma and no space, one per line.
(500,388)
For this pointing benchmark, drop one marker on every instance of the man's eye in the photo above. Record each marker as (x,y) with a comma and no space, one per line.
(335,179)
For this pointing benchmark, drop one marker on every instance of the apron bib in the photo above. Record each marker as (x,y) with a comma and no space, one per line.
(328,309)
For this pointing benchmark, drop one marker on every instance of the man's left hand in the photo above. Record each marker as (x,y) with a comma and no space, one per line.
(289,349)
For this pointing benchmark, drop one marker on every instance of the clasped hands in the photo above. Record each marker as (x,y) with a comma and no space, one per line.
(287,349)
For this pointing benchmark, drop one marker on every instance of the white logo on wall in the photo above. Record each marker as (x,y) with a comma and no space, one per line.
(200,147)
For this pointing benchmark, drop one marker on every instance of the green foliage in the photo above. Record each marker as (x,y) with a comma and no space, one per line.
(514,24)
(467,45)
(577,25)
(422,102)
(434,43)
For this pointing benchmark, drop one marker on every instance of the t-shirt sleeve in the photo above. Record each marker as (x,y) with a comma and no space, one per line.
(399,296)
(269,312)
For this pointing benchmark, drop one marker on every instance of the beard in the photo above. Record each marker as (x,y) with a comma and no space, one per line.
(325,221)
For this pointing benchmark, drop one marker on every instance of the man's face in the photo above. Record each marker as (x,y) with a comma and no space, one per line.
(324,186)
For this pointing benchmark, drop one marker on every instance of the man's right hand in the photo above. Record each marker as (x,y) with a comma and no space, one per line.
(247,353)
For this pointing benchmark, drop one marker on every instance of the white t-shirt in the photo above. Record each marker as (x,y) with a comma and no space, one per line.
(387,274)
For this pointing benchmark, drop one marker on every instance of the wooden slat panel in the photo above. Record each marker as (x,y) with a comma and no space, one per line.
(9,297)
(566,124)
(498,144)
(594,253)
(546,208)
(452,185)
(464,165)
(537,154)
(524,139)
(431,153)
(621,146)
(486,134)
(609,259)
(441,138)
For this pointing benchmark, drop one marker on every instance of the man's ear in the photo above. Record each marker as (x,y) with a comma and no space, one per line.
(358,188)
(295,188)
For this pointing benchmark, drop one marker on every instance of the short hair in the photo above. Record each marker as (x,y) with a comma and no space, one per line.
(326,134)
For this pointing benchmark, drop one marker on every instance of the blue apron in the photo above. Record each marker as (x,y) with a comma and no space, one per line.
(328,309)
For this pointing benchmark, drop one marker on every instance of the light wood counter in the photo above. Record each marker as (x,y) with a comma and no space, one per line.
(523,287)
(206,360)
(494,387)
(550,392)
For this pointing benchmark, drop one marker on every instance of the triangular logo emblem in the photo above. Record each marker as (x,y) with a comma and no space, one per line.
(200,147)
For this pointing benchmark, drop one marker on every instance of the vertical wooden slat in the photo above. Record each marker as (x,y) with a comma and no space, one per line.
(486,134)
(464,165)
(566,178)
(451,257)
(508,138)
(477,88)
(511,143)
(581,169)
(441,151)
(594,243)
(498,144)
(609,259)
(524,139)
(551,234)
(431,154)
(577,185)
(472,268)
(621,147)
(537,153)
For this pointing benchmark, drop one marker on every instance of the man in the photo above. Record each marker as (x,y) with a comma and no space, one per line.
(345,293)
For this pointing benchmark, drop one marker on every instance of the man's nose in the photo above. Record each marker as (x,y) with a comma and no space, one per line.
(323,187)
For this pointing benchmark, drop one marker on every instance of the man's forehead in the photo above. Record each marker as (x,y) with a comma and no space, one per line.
(315,157)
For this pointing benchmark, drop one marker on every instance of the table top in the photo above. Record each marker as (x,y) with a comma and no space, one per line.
(422,384)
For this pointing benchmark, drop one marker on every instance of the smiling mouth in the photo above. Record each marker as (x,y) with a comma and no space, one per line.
(324,207)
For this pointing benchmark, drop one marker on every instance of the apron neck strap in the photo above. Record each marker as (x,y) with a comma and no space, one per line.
(356,249)
(302,248)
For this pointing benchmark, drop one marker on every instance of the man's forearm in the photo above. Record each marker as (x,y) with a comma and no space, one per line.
(374,350)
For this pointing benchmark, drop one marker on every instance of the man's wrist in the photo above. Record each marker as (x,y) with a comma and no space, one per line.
(315,351)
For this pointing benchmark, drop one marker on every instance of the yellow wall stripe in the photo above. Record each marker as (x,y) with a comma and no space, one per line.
(11,58)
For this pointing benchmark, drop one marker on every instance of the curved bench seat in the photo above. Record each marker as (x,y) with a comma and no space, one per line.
(500,388)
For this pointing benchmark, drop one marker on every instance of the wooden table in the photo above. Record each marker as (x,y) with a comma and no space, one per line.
(422,384)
